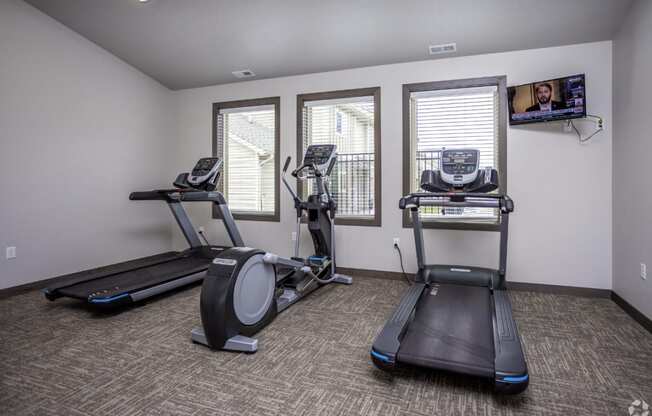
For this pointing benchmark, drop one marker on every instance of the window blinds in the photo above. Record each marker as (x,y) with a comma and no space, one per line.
(349,124)
(246,142)
(454,118)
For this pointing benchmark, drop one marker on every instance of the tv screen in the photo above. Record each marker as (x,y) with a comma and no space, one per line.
(555,99)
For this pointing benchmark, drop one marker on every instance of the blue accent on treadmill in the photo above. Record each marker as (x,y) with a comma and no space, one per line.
(109,299)
(381,357)
(514,379)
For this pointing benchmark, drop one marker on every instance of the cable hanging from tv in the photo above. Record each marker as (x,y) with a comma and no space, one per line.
(600,127)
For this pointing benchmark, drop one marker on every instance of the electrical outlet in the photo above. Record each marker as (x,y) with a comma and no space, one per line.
(397,242)
(643,271)
(11,252)
(294,236)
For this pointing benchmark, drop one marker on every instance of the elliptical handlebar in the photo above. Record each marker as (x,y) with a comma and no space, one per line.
(318,164)
(296,199)
(316,172)
(287,164)
(332,205)
(295,172)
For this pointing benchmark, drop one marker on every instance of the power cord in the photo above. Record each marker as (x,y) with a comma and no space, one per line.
(400,256)
(201,233)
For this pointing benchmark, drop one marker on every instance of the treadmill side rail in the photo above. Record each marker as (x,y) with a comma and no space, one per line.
(510,367)
(387,343)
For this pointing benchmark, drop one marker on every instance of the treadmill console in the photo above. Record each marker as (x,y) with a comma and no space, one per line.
(459,166)
(322,156)
(205,175)
(459,171)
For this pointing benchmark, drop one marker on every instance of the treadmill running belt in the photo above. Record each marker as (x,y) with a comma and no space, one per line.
(138,279)
(452,330)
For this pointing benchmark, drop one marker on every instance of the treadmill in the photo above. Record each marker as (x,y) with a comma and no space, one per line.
(456,318)
(135,280)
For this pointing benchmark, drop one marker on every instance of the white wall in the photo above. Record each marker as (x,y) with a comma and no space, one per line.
(561,232)
(632,151)
(67,106)
(79,130)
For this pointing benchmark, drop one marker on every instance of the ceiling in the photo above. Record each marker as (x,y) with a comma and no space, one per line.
(194,43)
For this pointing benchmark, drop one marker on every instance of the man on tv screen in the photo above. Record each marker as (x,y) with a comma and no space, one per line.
(544,99)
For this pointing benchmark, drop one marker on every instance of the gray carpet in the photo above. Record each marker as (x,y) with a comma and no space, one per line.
(586,357)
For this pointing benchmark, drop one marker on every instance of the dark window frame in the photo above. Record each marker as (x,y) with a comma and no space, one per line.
(376,220)
(498,81)
(276,102)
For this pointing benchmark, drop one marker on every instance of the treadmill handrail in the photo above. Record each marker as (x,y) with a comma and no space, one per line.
(178,195)
(158,194)
(457,199)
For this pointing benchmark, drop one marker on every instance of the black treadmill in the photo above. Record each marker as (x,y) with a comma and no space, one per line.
(138,279)
(457,318)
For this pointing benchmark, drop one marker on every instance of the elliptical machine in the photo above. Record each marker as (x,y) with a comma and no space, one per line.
(247,287)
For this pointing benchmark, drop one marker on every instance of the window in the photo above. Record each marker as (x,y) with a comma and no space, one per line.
(246,136)
(454,114)
(351,120)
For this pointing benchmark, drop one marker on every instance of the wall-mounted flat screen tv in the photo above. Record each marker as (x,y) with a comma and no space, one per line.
(555,99)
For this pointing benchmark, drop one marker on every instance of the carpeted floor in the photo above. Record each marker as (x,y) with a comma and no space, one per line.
(586,357)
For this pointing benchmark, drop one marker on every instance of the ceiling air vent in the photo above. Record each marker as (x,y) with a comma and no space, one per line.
(244,73)
(443,48)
